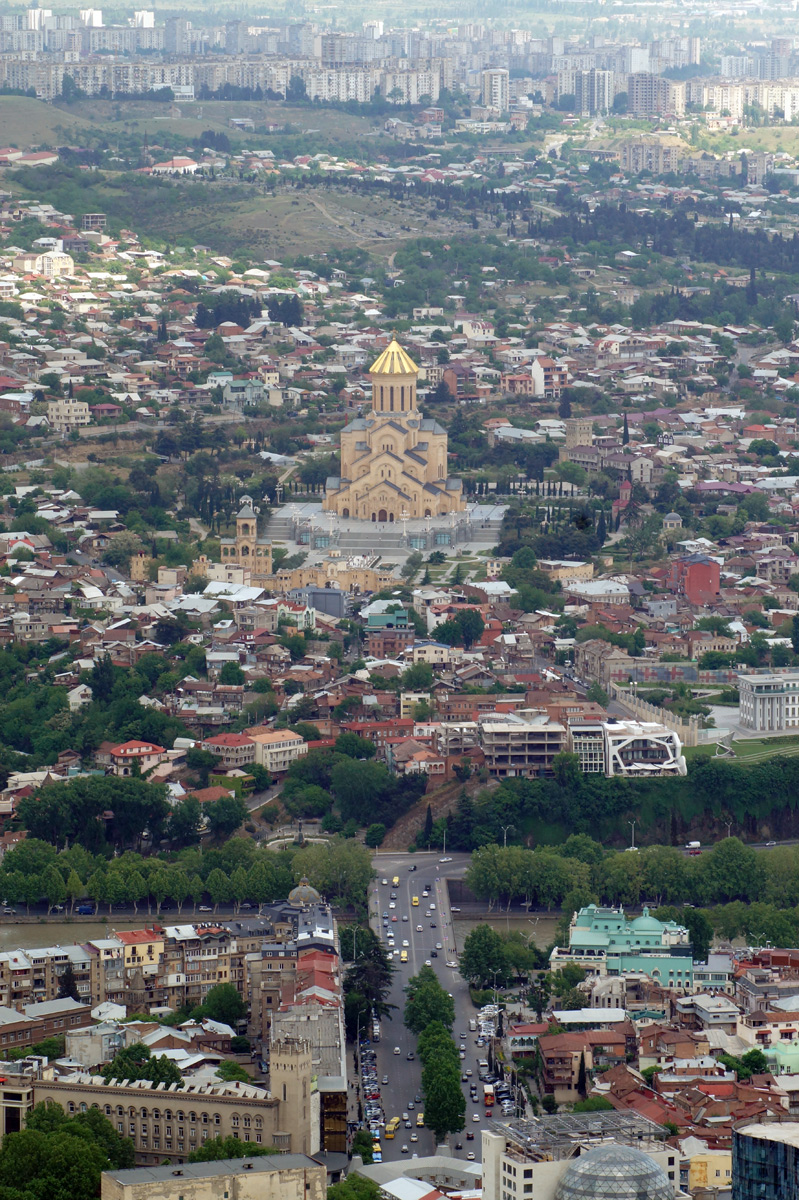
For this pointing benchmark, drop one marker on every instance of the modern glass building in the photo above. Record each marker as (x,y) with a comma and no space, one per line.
(614,1172)
(765,1161)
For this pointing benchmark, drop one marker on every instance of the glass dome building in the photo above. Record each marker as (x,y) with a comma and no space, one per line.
(616,1171)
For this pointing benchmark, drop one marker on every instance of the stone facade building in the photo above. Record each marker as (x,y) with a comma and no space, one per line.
(393,461)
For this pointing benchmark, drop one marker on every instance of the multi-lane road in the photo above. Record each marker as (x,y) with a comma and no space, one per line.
(405,1076)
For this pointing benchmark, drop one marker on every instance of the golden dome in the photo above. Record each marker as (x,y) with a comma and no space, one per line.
(394,361)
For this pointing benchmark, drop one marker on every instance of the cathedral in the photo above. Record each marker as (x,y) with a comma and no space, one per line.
(393,461)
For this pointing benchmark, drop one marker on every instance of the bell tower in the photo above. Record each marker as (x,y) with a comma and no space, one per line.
(394,376)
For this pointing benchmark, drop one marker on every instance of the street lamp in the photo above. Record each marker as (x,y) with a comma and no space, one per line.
(632,836)
(505,829)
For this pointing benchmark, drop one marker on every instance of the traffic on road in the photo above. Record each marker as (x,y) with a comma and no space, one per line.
(409,910)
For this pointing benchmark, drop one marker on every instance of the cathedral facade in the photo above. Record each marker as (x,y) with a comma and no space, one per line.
(393,461)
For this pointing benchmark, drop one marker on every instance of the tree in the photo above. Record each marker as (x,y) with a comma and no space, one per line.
(354,746)
(231,673)
(232,1072)
(55,889)
(225,815)
(483,958)
(61,1157)
(444,1103)
(218,885)
(101,679)
(223,1003)
(625,432)
(218,1148)
(427,1001)
(374,835)
(121,549)
(597,694)
(68,984)
(136,1062)
(582,1085)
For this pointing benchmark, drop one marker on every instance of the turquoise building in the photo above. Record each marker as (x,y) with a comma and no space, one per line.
(606,942)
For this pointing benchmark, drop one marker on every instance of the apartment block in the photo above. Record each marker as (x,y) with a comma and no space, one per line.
(521,744)
(651,95)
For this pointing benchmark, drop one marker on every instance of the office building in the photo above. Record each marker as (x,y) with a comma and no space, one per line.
(765,1161)
(566,1157)
(769,702)
(640,748)
(278,1177)
(605,942)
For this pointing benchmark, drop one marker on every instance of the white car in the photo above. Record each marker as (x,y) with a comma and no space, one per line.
(397,1050)
(475,1116)
(447,859)
(428,962)
(384,882)
(392,904)
(419,929)
(405,944)
(439,946)
(470,1156)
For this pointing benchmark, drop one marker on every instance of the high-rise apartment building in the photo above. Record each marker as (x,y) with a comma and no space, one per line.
(651,95)
(496,89)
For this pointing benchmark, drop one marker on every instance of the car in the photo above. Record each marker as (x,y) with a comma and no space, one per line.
(439,946)
(412,867)
(392,904)
(12,912)
(452,908)
(403,1150)
(469,1136)
(459,1145)
(205,908)
(428,962)
(434,954)
(426,892)
(385,916)
(470,1156)
(87,910)
(405,944)
(469,1071)
(771,843)
(405,916)
(410,1056)
(489,1111)
(418,1098)
(419,929)
(432,906)
(433,925)
(56,908)
(409,1124)
(475,1117)
(394,919)
(411,1106)
(445,859)
(414,1137)
(392,896)
(405,1116)
(397,1050)
(462,1046)
(384,882)
(464,1077)
(462,1037)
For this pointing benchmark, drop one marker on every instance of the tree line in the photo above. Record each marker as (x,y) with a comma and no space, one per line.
(239,872)
(760,800)
(429,1014)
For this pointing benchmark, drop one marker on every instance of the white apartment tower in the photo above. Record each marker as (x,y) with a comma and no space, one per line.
(496,89)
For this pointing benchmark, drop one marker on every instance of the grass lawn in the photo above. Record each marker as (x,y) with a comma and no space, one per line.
(750,750)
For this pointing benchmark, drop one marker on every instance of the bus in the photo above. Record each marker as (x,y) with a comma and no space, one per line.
(392,1126)
(488,1095)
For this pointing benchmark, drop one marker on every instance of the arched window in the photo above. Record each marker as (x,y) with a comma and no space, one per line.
(402,399)
(107,1110)
(259,1122)
(391,397)
(167,1114)
(193,1118)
